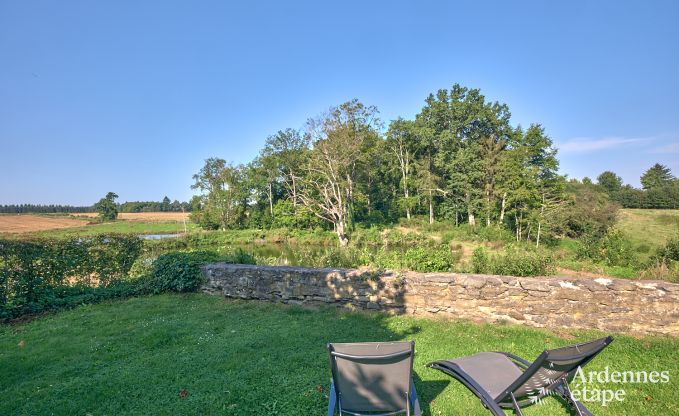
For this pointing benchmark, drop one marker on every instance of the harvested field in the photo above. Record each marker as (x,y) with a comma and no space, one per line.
(29,223)
(144,216)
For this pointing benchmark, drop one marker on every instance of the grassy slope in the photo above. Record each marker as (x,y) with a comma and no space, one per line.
(650,227)
(240,358)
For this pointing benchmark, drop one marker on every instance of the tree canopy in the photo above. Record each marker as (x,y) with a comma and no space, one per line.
(459,159)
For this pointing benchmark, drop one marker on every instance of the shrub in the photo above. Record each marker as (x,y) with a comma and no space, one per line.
(513,262)
(419,259)
(369,236)
(613,249)
(180,271)
(664,264)
(35,275)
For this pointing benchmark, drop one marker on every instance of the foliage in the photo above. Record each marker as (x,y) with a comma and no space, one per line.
(342,141)
(107,208)
(589,212)
(612,249)
(665,263)
(180,271)
(513,262)
(36,275)
(154,206)
(42,209)
(47,274)
(656,176)
(458,159)
(610,182)
(224,189)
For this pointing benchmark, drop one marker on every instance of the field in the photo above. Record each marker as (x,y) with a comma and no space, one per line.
(197,354)
(31,223)
(83,224)
(144,216)
(648,229)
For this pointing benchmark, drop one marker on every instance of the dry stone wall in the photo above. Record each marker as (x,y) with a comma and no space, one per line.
(612,305)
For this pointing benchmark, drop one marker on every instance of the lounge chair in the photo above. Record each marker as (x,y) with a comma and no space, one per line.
(373,378)
(502,380)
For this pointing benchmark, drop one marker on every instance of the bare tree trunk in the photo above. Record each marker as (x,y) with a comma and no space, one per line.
(339,229)
(294,189)
(470,213)
(502,210)
(270,199)
(407,203)
(488,198)
(431,208)
(542,212)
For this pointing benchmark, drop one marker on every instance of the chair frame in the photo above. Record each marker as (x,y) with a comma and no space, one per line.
(412,402)
(506,399)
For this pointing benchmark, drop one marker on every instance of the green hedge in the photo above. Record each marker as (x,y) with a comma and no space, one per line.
(180,271)
(35,275)
(47,274)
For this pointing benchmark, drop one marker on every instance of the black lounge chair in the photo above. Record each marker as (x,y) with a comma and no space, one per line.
(502,380)
(373,378)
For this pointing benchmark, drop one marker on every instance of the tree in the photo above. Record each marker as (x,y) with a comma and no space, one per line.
(610,182)
(288,148)
(224,194)
(656,176)
(107,208)
(402,143)
(165,205)
(340,138)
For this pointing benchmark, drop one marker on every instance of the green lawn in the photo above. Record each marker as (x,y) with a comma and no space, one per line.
(251,358)
(122,226)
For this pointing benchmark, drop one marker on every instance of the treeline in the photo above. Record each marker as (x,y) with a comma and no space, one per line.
(132,206)
(152,206)
(42,209)
(458,160)
(660,189)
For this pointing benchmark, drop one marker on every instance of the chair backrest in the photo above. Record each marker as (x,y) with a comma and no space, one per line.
(372,376)
(550,368)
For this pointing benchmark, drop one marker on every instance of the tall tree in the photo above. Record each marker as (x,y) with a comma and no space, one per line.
(107,208)
(289,149)
(332,167)
(610,182)
(224,194)
(656,176)
(165,204)
(401,142)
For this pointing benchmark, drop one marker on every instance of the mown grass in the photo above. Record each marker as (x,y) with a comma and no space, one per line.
(251,358)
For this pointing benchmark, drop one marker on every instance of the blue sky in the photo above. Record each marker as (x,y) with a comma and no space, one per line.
(132,96)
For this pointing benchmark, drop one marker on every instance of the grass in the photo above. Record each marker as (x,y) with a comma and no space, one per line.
(252,358)
(121,226)
(648,229)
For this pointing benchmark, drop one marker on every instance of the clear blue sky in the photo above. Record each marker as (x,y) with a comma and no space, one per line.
(132,96)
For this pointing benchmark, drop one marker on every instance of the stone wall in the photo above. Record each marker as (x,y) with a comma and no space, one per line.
(611,305)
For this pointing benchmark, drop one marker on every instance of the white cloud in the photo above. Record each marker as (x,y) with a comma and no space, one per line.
(589,145)
(670,148)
